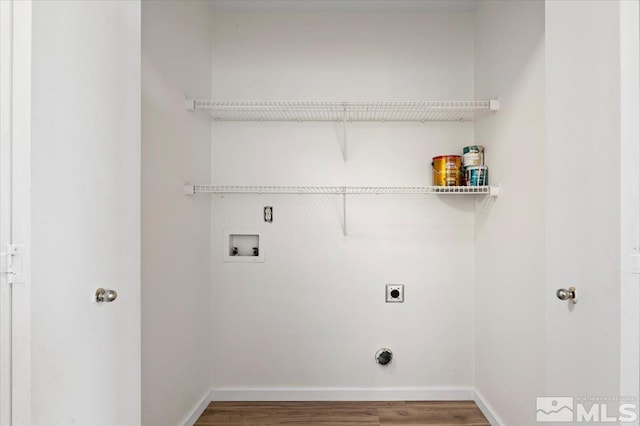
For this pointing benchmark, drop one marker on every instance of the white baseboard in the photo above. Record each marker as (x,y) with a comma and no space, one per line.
(258,393)
(269,393)
(487,409)
(197,410)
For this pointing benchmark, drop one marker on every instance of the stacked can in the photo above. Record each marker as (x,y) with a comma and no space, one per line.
(474,172)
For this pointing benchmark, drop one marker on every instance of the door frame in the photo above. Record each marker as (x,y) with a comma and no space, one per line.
(630,197)
(6,88)
(15,219)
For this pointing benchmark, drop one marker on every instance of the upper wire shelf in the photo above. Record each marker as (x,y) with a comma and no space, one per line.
(217,189)
(343,111)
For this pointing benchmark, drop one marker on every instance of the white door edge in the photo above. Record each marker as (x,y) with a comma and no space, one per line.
(6,44)
(630,197)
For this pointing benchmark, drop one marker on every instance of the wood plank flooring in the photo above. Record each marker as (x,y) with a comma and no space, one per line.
(442,413)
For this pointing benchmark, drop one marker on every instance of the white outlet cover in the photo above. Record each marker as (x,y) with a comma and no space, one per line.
(390,292)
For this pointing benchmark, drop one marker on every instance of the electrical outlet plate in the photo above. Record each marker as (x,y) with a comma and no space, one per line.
(395,293)
(268,214)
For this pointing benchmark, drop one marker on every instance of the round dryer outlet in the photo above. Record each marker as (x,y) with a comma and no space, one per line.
(384,356)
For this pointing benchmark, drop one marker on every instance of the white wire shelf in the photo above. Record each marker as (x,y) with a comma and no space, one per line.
(487,191)
(343,111)
(339,190)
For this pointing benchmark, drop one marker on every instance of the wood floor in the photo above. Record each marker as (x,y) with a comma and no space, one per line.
(344,413)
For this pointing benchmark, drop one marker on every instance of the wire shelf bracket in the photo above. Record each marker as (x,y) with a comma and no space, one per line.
(344,135)
(344,214)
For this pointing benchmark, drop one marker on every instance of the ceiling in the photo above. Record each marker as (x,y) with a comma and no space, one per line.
(343,5)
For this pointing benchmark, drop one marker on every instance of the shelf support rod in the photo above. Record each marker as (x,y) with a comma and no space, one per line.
(344,212)
(344,132)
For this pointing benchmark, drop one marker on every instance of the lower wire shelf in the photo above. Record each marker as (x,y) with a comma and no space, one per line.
(191,189)
(487,191)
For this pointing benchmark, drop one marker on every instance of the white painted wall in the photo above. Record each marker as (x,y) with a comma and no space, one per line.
(85,201)
(583,196)
(176,62)
(509,240)
(314,314)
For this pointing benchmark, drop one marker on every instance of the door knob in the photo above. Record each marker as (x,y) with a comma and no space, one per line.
(567,294)
(103,295)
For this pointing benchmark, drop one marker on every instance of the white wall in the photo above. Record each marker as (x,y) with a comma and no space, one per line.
(509,247)
(314,314)
(583,201)
(176,62)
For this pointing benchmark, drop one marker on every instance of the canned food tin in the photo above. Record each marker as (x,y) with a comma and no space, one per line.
(473,156)
(476,176)
(446,170)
